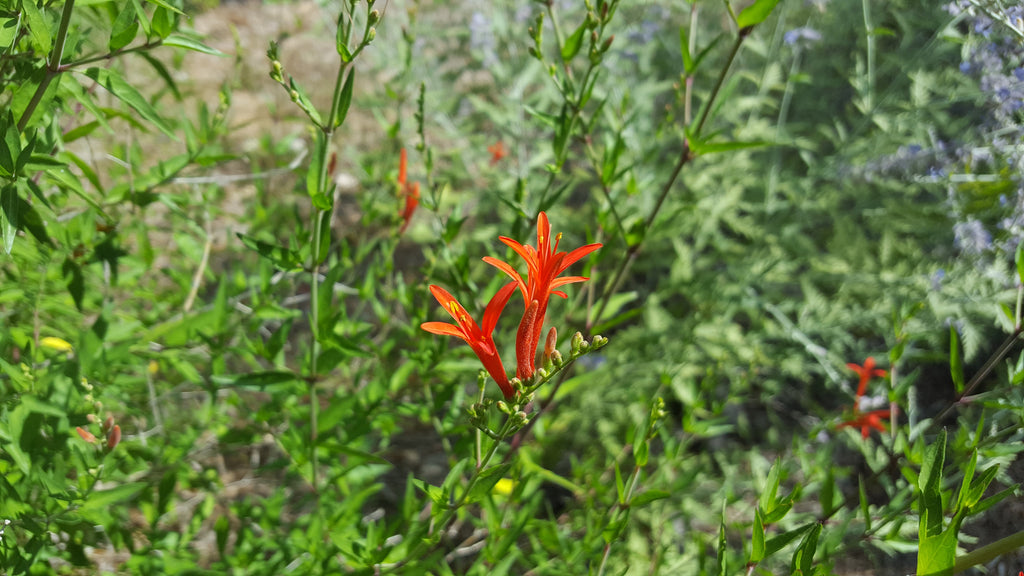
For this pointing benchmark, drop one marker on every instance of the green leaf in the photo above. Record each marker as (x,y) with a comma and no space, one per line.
(125,27)
(345,99)
(645,498)
(723,546)
(282,258)
(163,22)
(956,367)
(757,547)
(38,28)
(1020,262)
(978,487)
(486,481)
(864,507)
(9,216)
(104,499)
(124,92)
(704,148)
(550,120)
(76,281)
(755,13)
(803,558)
(24,214)
(573,43)
(147,27)
(166,6)
(258,380)
(620,486)
(179,40)
(827,493)
(684,45)
(10,144)
(931,468)
(164,74)
(936,554)
(771,488)
(782,540)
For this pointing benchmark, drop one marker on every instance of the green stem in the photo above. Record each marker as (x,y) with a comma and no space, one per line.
(684,157)
(141,47)
(52,67)
(314,319)
(780,128)
(721,80)
(418,550)
(869,99)
(989,552)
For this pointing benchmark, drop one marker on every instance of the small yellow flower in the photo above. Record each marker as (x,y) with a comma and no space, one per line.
(153,367)
(57,344)
(504,487)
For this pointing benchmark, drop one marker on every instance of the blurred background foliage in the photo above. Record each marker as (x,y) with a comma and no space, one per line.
(855,192)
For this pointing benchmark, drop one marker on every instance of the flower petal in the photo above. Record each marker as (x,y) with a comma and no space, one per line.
(443,329)
(495,307)
(574,256)
(508,269)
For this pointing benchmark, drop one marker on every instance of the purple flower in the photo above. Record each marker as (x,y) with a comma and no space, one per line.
(803,35)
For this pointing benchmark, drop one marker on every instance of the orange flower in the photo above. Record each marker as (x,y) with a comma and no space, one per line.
(411,192)
(867,421)
(544,264)
(481,340)
(866,372)
(497,151)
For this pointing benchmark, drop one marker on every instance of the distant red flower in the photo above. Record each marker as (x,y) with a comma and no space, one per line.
(481,340)
(865,372)
(867,421)
(544,264)
(497,151)
(411,192)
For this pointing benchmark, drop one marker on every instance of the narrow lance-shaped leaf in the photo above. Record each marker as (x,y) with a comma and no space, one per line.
(684,45)
(757,538)
(755,13)
(573,43)
(179,40)
(8,216)
(124,92)
(956,367)
(124,29)
(345,99)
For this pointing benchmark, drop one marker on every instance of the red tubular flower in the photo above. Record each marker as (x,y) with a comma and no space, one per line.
(867,421)
(866,372)
(544,264)
(481,340)
(411,192)
(497,151)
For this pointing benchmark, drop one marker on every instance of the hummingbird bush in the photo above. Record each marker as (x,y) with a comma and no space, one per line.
(227,353)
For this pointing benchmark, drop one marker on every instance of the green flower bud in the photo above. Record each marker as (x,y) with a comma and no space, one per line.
(373,17)
(371,35)
(503,407)
(294,94)
(576,343)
